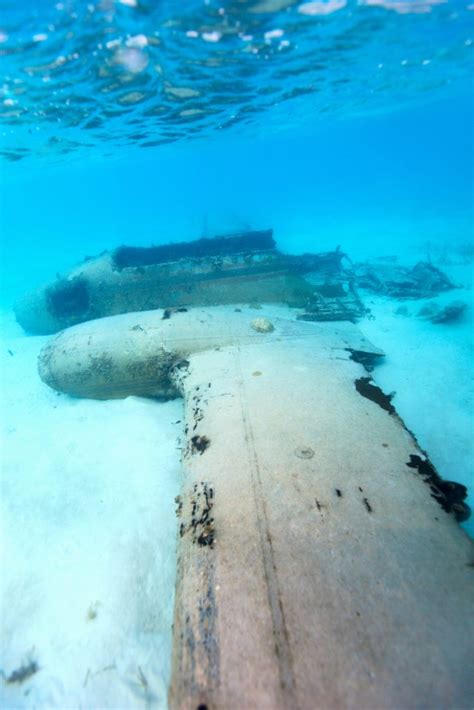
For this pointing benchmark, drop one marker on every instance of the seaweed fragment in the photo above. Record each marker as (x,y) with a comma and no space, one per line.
(396,281)
(25,671)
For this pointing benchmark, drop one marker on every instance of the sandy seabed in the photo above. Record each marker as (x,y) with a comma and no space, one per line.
(88,541)
(88,521)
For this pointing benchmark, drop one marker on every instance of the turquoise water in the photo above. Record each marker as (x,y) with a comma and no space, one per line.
(350,127)
(334,122)
(331,122)
(381,183)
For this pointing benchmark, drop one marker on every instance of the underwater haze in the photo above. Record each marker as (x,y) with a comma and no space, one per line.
(338,124)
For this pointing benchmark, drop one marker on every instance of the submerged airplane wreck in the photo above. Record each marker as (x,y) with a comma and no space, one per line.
(320,560)
(240,268)
(243,267)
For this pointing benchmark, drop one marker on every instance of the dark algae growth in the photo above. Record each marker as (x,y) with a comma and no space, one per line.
(199,444)
(126,256)
(449,494)
(366,387)
(195,511)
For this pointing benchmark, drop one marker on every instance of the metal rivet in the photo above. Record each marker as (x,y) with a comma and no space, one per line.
(304,452)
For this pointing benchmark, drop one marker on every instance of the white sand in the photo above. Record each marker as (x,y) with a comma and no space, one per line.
(88,529)
(88,510)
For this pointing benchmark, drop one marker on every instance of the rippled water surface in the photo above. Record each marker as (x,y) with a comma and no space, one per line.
(98,76)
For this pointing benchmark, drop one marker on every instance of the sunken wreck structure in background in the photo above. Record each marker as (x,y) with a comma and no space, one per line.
(238,268)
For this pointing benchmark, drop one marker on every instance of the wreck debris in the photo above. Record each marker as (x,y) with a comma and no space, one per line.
(238,268)
(450,313)
(391,279)
(334,300)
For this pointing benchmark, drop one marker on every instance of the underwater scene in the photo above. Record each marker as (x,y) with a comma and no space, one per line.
(236,354)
